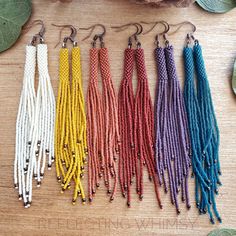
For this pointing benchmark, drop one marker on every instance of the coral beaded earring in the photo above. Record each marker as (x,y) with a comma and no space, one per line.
(102,119)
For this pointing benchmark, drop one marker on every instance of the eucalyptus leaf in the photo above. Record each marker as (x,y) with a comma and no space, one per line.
(234,78)
(13,15)
(217,6)
(223,232)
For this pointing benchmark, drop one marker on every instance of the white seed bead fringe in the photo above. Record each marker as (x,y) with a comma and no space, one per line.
(34,125)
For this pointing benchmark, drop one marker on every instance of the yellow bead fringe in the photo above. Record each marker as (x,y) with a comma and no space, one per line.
(70,133)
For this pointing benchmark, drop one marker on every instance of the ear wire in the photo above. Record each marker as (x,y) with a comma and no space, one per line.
(96,36)
(70,38)
(139,30)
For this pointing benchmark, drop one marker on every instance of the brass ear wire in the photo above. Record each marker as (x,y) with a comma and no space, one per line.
(139,30)
(39,35)
(189,36)
(96,36)
(71,37)
(164,23)
(181,24)
(166,26)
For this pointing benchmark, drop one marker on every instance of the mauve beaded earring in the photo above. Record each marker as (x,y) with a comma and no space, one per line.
(172,138)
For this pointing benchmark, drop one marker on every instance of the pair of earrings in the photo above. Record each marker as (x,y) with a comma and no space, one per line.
(172,142)
(204,131)
(102,117)
(70,127)
(35,120)
(136,122)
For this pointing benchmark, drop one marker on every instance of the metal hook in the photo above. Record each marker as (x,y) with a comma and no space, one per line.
(167,28)
(139,30)
(189,35)
(164,23)
(40,34)
(71,37)
(181,24)
(96,36)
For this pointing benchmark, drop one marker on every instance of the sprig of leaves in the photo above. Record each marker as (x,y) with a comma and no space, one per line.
(222,232)
(234,80)
(13,15)
(217,6)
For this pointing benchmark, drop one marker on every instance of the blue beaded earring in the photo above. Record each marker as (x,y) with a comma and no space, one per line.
(204,131)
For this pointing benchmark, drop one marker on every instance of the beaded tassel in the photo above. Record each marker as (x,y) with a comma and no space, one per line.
(161,121)
(111,130)
(144,128)
(102,117)
(176,137)
(62,116)
(78,125)
(204,132)
(127,163)
(95,127)
(45,115)
(24,122)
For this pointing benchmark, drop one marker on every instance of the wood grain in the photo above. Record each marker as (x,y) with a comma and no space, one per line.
(51,212)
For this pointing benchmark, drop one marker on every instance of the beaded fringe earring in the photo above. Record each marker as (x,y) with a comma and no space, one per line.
(136,123)
(102,119)
(35,121)
(172,138)
(204,130)
(70,132)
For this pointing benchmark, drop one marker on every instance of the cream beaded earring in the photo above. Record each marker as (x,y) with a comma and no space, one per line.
(35,120)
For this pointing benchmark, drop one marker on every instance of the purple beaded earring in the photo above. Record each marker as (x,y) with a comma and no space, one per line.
(171,128)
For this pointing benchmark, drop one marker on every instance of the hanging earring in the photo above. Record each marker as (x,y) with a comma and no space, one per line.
(179,127)
(102,118)
(136,122)
(35,120)
(204,130)
(172,141)
(70,131)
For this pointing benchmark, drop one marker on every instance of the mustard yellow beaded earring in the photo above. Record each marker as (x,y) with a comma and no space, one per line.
(70,130)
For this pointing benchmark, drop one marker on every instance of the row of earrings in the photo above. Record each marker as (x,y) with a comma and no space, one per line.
(180,131)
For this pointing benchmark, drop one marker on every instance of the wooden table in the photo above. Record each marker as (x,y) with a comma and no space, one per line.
(53,213)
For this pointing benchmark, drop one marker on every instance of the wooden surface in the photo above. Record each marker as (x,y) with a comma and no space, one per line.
(51,212)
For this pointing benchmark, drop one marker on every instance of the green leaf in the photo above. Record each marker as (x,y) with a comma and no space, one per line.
(13,15)
(217,6)
(234,78)
(223,232)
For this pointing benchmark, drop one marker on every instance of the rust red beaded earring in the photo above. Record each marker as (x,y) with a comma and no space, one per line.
(136,122)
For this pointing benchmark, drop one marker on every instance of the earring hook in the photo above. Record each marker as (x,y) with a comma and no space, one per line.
(166,26)
(97,36)
(139,30)
(39,35)
(164,23)
(189,35)
(71,37)
(181,24)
